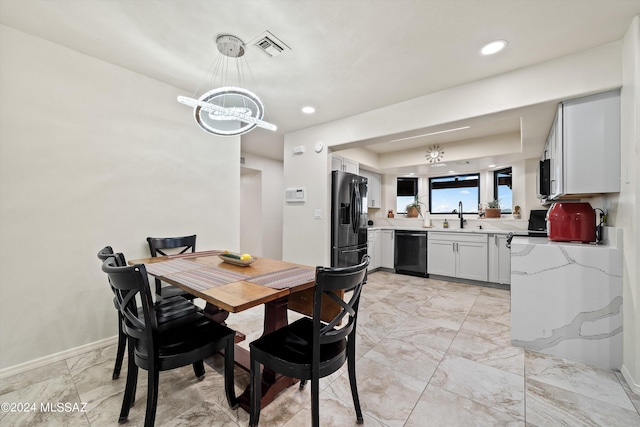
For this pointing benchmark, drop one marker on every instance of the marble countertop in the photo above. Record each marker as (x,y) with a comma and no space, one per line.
(468,229)
(472,225)
(611,238)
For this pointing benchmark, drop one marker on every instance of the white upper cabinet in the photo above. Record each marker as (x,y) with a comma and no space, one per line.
(374,188)
(339,163)
(584,146)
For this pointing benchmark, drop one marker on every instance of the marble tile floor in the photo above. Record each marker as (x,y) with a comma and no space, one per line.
(429,353)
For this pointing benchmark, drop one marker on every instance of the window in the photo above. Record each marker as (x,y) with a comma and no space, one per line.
(445,193)
(407,190)
(502,189)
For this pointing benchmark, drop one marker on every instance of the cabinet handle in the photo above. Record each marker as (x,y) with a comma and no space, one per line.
(495,240)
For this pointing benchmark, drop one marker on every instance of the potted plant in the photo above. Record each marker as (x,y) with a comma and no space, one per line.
(415,208)
(493,209)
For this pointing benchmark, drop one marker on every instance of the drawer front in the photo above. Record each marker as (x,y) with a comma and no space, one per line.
(458,237)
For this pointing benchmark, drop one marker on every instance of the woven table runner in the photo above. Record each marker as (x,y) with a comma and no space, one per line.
(163,268)
(286,278)
(206,278)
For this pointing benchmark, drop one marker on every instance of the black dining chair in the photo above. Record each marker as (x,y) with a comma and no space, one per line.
(166,310)
(310,349)
(158,246)
(153,347)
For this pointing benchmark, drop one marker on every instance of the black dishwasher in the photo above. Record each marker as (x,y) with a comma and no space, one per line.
(411,253)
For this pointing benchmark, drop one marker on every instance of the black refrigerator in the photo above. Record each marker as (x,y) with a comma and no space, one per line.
(348,219)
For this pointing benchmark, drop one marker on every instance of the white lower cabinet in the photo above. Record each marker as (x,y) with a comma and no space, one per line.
(441,257)
(387,248)
(457,255)
(499,259)
(373,248)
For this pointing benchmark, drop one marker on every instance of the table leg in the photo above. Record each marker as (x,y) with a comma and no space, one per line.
(275,317)
(215,313)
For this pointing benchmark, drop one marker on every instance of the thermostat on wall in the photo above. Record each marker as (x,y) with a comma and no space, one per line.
(295,195)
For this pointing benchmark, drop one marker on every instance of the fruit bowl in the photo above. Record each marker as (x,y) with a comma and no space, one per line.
(234,258)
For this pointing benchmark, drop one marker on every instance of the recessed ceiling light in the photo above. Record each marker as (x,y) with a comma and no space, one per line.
(492,166)
(308,110)
(494,47)
(452,171)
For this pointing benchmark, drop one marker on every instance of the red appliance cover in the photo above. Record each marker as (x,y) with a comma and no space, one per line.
(571,222)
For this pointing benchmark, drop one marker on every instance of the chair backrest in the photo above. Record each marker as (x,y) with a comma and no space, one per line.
(127,283)
(328,281)
(106,252)
(159,245)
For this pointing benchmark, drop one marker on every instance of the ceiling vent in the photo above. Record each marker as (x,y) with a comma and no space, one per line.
(270,44)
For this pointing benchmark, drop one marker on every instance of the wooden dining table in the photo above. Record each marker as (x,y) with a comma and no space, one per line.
(229,288)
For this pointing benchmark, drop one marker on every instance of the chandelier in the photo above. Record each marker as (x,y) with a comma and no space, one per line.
(227,110)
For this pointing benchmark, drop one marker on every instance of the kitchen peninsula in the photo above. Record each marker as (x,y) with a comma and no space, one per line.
(566,298)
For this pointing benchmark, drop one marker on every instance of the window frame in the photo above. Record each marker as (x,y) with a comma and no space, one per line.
(415,180)
(496,184)
(453,177)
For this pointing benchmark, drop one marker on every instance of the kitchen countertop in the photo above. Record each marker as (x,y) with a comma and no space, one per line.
(472,225)
(468,229)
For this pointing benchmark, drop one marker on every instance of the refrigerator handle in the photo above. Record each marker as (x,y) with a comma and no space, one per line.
(359,209)
(351,250)
(354,209)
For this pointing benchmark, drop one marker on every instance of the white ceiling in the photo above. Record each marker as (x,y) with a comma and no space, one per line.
(346,57)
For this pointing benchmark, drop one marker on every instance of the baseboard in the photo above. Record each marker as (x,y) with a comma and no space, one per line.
(502,286)
(56,357)
(634,386)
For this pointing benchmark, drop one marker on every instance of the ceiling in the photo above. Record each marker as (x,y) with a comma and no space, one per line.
(347,56)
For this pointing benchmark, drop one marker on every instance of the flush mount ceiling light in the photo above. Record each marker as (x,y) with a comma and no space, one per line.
(434,154)
(228,110)
(493,47)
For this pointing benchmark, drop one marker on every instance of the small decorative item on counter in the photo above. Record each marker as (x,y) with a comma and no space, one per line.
(445,224)
(516,212)
(480,211)
(390,213)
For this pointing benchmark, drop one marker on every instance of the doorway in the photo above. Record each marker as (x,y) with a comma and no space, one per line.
(251,211)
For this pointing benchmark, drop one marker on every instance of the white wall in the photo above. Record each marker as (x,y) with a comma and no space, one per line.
(627,212)
(250,211)
(268,239)
(306,240)
(92,155)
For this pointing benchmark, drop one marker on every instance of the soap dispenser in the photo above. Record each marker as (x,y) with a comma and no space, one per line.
(445,224)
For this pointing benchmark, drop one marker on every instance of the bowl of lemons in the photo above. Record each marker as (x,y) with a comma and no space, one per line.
(234,258)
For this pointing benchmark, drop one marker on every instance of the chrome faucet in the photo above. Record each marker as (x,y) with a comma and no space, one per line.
(462,220)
